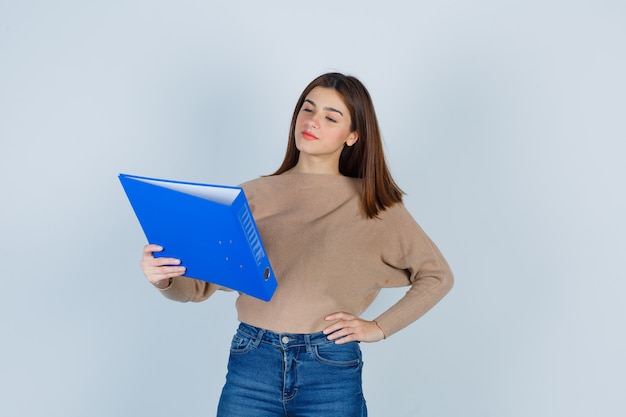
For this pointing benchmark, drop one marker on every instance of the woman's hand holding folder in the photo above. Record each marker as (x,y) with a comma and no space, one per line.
(159,271)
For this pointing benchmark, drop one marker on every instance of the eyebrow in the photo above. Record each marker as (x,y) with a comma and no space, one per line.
(325,108)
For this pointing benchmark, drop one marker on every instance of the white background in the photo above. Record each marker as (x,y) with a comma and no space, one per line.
(504,121)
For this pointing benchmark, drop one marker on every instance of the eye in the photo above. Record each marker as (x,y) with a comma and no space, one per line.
(330,119)
(307,110)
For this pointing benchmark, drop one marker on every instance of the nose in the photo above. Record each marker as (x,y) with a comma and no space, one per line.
(313,122)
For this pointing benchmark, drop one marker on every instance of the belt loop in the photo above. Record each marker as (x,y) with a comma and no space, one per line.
(307,342)
(259,338)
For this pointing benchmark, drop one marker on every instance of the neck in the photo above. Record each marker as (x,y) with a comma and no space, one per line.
(316,166)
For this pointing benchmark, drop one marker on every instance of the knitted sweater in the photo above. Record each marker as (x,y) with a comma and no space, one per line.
(328,257)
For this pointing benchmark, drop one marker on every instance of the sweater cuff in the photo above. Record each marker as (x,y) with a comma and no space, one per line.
(169,284)
(381,329)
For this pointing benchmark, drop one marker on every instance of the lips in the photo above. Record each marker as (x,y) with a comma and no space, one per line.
(308,135)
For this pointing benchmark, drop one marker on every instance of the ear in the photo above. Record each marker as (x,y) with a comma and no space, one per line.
(352,138)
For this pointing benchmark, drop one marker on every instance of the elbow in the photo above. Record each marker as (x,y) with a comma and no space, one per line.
(186,290)
(446,279)
(202,291)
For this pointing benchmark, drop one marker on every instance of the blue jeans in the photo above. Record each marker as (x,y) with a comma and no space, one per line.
(291,375)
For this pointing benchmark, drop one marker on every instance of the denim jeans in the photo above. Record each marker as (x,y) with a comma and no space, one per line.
(291,375)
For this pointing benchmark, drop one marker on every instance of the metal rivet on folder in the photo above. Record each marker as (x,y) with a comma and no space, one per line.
(266,274)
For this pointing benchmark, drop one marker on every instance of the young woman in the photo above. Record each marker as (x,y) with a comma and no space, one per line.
(336,231)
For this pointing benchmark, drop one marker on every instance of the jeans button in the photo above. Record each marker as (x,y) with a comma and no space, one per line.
(285,340)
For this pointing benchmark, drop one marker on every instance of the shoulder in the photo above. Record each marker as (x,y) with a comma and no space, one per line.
(262,185)
(253,182)
(396,214)
(397,223)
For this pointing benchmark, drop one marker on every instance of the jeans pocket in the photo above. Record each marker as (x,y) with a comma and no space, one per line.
(241,343)
(348,354)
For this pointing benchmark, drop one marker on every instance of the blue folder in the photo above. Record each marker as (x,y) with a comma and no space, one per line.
(210,228)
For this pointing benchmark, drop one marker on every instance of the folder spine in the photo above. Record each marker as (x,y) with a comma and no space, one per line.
(247,223)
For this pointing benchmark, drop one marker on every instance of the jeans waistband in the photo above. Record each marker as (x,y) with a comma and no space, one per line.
(283,339)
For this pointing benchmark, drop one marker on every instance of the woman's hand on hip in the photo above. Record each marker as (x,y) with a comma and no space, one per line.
(350,328)
(159,270)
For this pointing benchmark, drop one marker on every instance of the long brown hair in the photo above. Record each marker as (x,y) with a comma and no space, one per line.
(365,159)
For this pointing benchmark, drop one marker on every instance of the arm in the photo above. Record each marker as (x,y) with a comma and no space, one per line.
(428,273)
(424,293)
(411,258)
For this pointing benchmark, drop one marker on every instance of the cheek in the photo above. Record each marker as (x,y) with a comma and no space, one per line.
(299,122)
(302,119)
(342,135)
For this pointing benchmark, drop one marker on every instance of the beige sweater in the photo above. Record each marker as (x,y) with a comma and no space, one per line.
(328,257)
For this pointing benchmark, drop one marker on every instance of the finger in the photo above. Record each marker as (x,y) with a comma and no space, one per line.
(341,315)
(149,249)
(153,262)
(168,270)
(343,328)
(158,267)
(338,334)
(336,327)
(165,262)
(346,335)
(345,320)
(347,339)
(156,275)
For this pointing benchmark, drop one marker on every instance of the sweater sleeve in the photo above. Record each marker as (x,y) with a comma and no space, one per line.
(185,289)
(407,248)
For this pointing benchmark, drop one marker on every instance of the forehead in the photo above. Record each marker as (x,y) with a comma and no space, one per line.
(327,97)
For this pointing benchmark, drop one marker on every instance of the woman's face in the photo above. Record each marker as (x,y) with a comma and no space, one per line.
(323,125)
